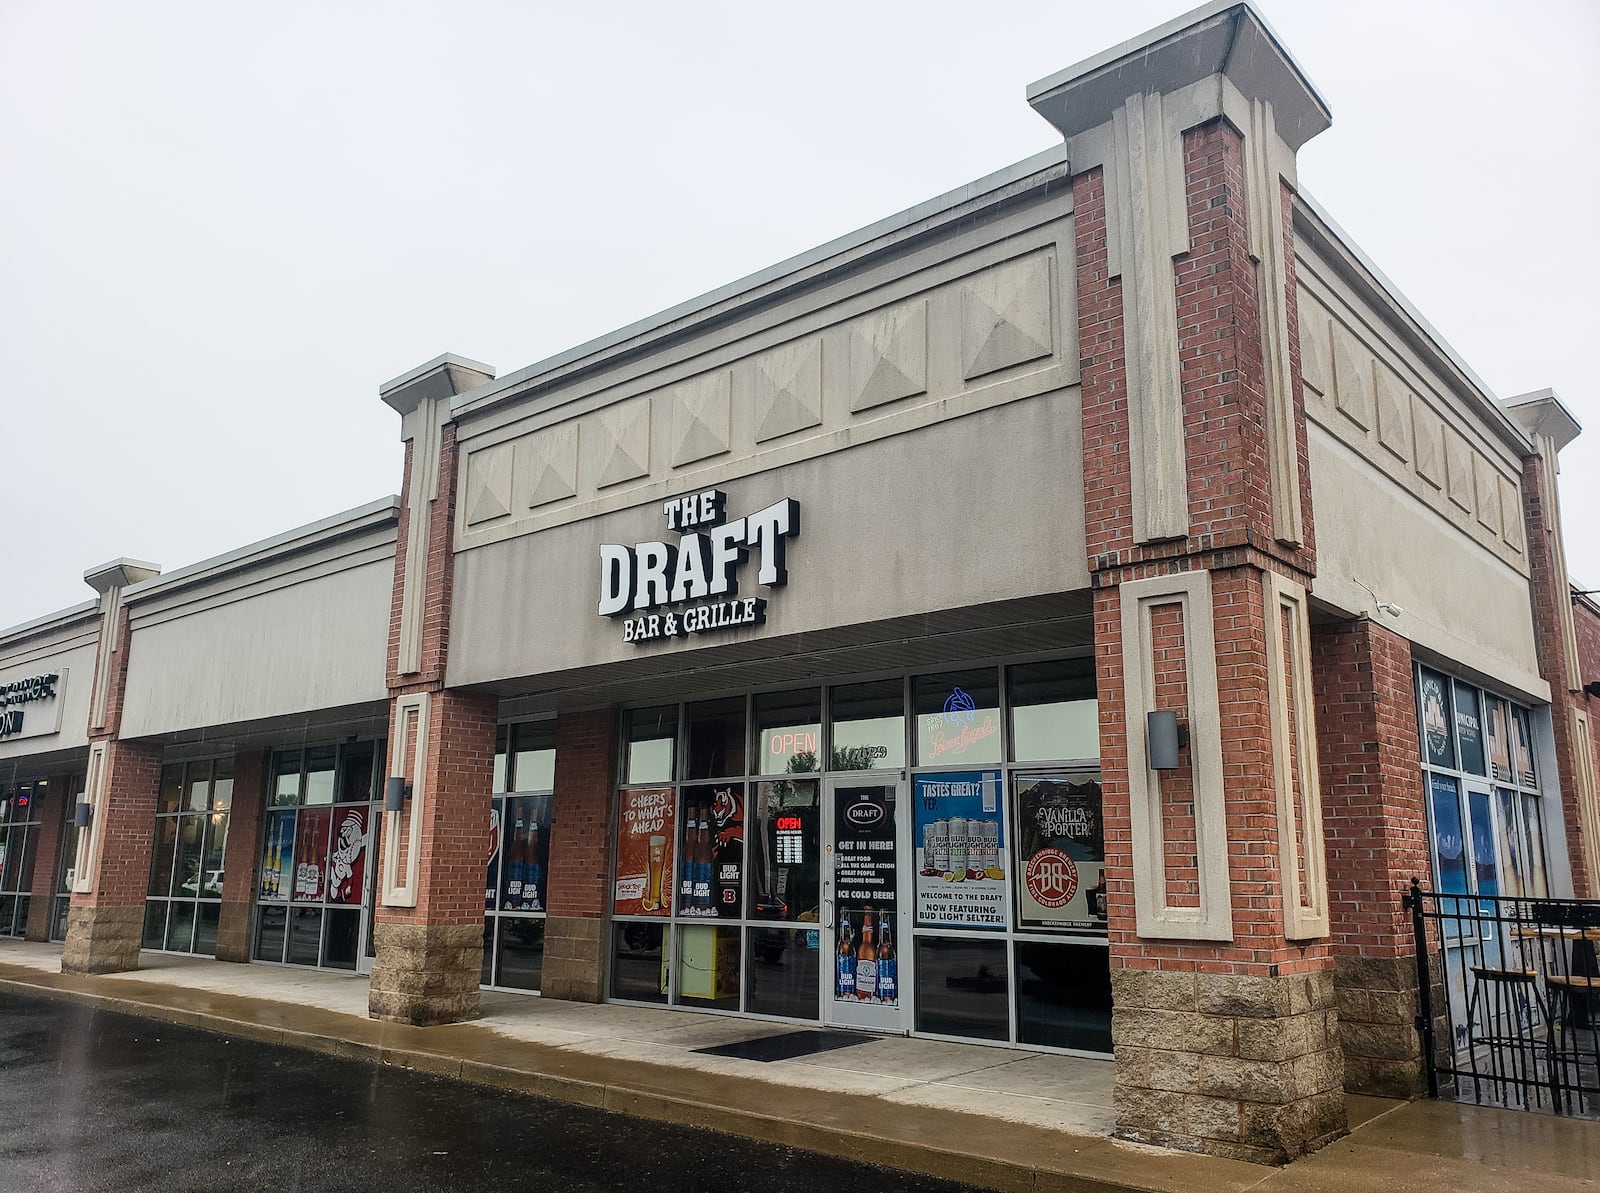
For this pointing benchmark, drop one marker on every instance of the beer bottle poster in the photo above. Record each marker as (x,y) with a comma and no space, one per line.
(525,853)
(960,850)
(711,863)
(1061,854)
(644,853)
(864,884)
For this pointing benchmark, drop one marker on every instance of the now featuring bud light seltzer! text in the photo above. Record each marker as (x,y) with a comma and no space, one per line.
(961,876)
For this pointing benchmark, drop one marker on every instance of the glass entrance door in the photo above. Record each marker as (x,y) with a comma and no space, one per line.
(864,877)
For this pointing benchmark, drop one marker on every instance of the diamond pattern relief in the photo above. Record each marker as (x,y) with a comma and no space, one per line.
(1430,455)
(889,355)
(701,410)
(619,442)
(549,459)
(1394,404)
(489,484)
(1458,468)
(1511,513)
(1314,352)
(1486,488)
(1005,317)
(788,389)
(1352,380)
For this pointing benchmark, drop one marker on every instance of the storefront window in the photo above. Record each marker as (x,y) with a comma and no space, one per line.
(651,736)
(1054,713)
(788,733)
(518,868)
(958,718)
(868,723)
(715,732)
(316,873)
(20,809)
(962,988)
(186,864)
(66,858)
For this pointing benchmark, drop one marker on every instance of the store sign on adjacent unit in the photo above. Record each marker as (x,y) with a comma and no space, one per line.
(665,590)
(31,707)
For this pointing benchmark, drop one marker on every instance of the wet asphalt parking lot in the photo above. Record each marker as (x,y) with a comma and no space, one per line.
(94,1101)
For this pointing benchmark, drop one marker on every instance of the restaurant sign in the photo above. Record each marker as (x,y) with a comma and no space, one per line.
(31,707)
(663,590)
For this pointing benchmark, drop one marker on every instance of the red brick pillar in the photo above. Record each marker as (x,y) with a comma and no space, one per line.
(106,922)
(1376,825)
(429,944)
(242,855)
(575,945)
(1201,555)
(53,811)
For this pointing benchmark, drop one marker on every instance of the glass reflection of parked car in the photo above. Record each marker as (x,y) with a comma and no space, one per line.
(213,885)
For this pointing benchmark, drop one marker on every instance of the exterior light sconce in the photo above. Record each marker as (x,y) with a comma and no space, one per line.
(1592,689)
(83,814)
(395,793)
(1163,738)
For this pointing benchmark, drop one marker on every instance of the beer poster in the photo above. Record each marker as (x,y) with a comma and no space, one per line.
(524,834)
(1061,854)
(960,850)
(711,852)
(311,853)
(644,853)
(864,887)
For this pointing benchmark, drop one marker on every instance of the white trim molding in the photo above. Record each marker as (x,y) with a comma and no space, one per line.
(86,860)
(1211,918)
(402,831)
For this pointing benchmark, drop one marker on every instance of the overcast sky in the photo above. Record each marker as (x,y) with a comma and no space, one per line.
(223,225)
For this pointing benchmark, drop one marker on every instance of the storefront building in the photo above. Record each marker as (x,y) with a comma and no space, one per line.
(1020,621)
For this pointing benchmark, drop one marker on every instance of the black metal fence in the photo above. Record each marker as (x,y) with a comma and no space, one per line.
(1510,1006)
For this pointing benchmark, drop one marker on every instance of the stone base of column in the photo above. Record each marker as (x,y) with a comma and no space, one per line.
(102,939)
(426,974)
(233,932)
(574,959)
(1377,999)
(1242,1067)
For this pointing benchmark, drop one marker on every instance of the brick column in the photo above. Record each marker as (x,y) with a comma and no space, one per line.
(430,956)
(105,925)
(53,811)
(575,942)
(1201,552)
(242,855)
(1376,825)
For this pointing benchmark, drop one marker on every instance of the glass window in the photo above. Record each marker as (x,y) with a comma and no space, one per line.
(1061,853)
(180,926)
(305,936)
(270,925)
(711,851)
(155,925)
(216,840)
(1499,741)
(525,853)
(534,768)
(348,855)
(637,972)
(1485,867)
(286,781)
(355,773)
(1522,742)
(1054,713)
(197,783)
(788,730)
(166,845)
(1433,711)
(652,735)
(207,917)
(1533,829)
(1064,996)
(171,789)
(186,873)
(958,717)
(716,738)
(783,967)
(1449,839)
(963,987)
(277,856)
(520,960)
(320,762)
(1469,728)
(785,860)
(502,737)
(342,944)
(867,725)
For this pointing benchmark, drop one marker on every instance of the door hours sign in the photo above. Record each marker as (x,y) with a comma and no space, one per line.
(664,590)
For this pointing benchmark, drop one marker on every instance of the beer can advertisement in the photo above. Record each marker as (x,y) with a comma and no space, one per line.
(960,850)
(645,838)
(1061,854)
(711,851)
(866,965)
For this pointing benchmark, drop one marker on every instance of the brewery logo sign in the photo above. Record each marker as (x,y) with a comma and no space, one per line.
(31,707)
(663,590)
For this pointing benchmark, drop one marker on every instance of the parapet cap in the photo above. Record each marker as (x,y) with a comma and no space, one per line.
(442,377)
(119,573)
(1222,38)
(1542,413)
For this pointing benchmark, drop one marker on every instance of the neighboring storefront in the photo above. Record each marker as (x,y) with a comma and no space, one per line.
(186,870)
(515,887)
(315,880)
(907,853)
(20,810)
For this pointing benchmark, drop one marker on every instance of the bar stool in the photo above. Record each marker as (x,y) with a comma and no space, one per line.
(1500,998)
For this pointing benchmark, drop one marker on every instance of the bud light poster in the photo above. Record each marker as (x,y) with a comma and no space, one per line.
(644,852)
(960,850)
(711,853)
(865,880)
(1061,854)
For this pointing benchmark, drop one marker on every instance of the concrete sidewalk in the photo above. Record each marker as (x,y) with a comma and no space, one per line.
(988,1117)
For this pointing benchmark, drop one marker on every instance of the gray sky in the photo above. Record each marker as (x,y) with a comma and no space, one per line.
(221,225)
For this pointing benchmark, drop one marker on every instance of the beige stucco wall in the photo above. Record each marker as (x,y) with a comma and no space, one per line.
(983,508)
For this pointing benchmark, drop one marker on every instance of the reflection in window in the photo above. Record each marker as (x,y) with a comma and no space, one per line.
(534,757)
(715,734)
(788,732)
(868,730)
(1064,996)
(637,973)
(651,738)
(962,988)
(1054,713)
(785,858)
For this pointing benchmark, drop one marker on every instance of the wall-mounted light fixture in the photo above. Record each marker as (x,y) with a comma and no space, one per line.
(1592,689)
(1163,738)
(83,814)
(395,793)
